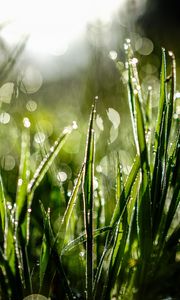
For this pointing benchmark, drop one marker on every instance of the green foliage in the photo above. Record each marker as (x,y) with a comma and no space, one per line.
(131,256)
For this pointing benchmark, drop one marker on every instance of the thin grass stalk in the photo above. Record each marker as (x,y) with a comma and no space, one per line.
(88,197)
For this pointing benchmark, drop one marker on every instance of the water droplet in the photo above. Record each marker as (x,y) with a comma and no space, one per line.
(126,47)
(170,53)
(61,176)
(82,254)
(74,125)
(26,122)
(113,54)
(67,130)
(134,61)
(20,181)
(9,206)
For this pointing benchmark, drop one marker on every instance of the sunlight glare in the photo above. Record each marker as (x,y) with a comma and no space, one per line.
(52,25)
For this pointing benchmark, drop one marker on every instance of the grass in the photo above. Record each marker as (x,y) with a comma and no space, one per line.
(135,255)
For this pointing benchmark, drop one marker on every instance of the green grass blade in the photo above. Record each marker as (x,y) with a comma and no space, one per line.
(126,192)
(3,212)
(171,99)
(24,174)
(144,202)
(48,160)
(47,244)
(51,261)
(88,197)
(159,149)
(117,215)
(69,210)
(82,239)
(42,170)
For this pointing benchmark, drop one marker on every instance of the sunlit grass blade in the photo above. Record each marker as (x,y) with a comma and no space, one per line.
(3,212)
(24,174)
(88,198)
(159,148)
(144,202)
(126,191)
(116,217)
(171,99)
(48,160)
(69,210)
(82,239)
(122,242)
(46,247)
(43,168)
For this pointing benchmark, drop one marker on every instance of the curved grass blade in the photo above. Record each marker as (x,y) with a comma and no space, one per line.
(43,168)
(82,239)
(48,160)
(69,209)
(88,198)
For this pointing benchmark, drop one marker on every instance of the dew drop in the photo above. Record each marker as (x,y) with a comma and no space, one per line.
(26,122)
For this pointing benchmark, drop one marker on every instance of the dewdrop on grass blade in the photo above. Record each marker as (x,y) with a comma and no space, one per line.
(26,122)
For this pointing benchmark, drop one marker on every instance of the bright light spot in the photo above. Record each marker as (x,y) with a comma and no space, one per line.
(39,137)
(74,125)
(126,47)
(114,117)
(61,176)
(26,122)
(4,118)
(170,53)
(7,162)
(82,254)
(113,55)
(52,25)
(30,210)
(6,92)
(99,122)
(134,61)
(31,105)
(177,95)
(9,206)
(31,80)
(20,181)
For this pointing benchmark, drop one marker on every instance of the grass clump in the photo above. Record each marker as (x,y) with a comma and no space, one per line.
(79,255)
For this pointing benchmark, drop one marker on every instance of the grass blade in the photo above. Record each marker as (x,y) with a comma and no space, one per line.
(88,196)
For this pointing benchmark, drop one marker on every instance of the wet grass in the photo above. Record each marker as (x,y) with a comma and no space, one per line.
(79,255)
